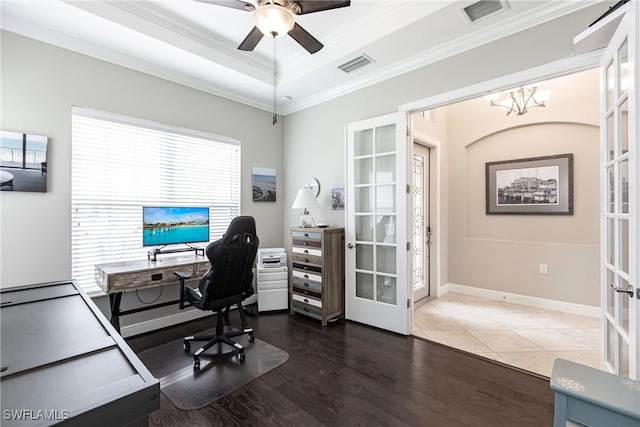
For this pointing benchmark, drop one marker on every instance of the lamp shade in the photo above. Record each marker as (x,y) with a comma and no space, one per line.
(305,199)
(273,20)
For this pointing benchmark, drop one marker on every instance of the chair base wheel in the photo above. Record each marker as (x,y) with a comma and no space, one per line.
(196,362)
(186,346)
(242,356)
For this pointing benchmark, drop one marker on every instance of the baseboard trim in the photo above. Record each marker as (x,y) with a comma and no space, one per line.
(547,304)
(162,322)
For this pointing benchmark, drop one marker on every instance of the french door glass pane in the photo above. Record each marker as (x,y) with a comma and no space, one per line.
(386,169)
(610,138)
(624,307)
(624,245)
(364,142)
(624,126)
(624,186)
(610,356)
(364,285)
(610,193)
(610,79)
(364,228)
(386,139)
(611,242)
(386,259)
(624,363)
(611,293)
(364,199)
(386,290)
(386,229)
(363,171)
(386,199)
(364,257)
(623,63)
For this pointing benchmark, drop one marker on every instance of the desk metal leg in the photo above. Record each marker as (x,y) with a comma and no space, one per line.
(114,300)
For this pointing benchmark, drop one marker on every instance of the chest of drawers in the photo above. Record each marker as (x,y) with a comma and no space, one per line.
(316,281)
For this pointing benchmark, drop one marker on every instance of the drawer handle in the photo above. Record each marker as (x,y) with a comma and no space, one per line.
(306,234)
(305,243)
(306,260)
(306,276)
(306,300)
(305,308)
(306,284)
(306,251)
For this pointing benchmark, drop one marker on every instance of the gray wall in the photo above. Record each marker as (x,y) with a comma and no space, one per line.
(315,138)
(39,85)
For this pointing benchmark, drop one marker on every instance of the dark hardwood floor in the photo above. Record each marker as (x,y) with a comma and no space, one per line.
(350,374)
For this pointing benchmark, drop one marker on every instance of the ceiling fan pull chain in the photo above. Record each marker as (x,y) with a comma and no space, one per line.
(275,80)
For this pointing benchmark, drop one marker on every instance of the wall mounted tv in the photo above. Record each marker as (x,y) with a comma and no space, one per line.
(173,225)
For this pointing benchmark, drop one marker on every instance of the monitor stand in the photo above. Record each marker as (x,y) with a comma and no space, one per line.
(152,254)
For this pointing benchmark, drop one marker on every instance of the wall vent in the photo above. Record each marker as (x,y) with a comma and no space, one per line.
(356,63)
(482,8)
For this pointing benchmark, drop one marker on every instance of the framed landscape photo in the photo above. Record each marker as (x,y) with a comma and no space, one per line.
(533,186)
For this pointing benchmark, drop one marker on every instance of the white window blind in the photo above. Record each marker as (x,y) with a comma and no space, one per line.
(120,164)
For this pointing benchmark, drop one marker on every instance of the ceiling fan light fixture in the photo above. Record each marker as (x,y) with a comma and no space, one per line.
(273,20)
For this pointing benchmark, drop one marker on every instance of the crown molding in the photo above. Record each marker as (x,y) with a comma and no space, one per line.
(484,36)
(55,38)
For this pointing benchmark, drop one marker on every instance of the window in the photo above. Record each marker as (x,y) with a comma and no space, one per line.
(120,164)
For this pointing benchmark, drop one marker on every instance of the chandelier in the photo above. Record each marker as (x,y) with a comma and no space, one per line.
(519,100)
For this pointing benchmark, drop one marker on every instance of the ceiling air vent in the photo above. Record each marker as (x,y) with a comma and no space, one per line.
(483,8)
(356,63)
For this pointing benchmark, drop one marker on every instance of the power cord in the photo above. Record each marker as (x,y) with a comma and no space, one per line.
(149,302)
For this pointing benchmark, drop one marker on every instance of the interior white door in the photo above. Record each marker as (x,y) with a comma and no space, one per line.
(619,172)
(420,218)
(377,286)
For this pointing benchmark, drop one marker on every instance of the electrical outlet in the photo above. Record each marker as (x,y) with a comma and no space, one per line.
(543,268)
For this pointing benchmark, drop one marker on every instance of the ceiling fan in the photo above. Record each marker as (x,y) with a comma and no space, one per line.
(277,18)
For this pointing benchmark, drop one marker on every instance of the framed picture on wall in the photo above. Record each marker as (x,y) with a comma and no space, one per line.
(23,162)
(533,186)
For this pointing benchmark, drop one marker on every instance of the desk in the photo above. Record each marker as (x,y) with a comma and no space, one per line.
(118,277)
(592,397)
(62,361)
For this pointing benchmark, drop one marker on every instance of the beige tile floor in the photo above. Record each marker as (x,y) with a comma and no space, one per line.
(526,337)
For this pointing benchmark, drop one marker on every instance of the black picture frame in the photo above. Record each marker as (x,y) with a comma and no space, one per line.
(530,186)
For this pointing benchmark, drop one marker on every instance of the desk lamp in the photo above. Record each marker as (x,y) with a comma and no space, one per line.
(305,199)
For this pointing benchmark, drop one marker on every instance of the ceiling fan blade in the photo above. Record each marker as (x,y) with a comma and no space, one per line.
(310,6)
(234,4)
(251,41)
(305,39)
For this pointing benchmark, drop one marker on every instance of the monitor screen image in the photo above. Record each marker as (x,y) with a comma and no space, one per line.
(172,225)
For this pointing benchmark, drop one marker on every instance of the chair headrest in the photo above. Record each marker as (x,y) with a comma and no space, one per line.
(241,227)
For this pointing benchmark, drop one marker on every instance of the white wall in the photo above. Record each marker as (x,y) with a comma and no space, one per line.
(40,83)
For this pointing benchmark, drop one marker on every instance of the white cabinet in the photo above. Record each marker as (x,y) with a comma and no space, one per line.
(272,288)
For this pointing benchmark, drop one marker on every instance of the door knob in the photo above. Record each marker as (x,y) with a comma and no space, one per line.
(351,246)
(628,290)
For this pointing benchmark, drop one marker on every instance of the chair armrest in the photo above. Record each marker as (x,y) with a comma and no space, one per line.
(182,276)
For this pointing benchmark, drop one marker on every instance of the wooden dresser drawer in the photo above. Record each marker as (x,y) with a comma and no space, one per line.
(307,287)
(304,308)
(307,300)
(307,276)
(307,251)
(310,259)
(307,235)
(307,267)
(307,243)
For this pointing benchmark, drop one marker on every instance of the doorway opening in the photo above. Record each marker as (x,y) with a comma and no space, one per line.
(521,289)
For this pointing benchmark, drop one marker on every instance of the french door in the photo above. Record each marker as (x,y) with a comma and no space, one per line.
(377,284)
(620,234)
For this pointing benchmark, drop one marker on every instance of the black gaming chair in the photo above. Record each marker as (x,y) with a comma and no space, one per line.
(228,282)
